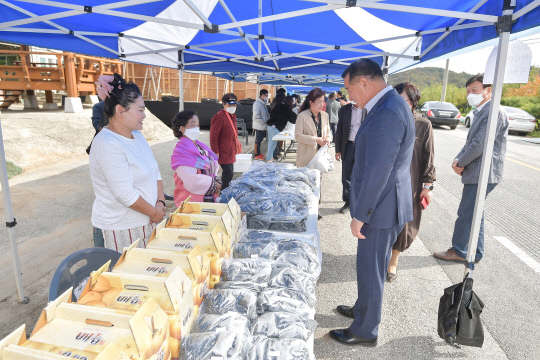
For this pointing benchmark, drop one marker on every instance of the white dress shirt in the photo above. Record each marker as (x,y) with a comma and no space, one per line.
(356,121)
(371,103)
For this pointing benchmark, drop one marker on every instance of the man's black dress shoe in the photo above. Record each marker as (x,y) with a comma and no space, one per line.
(345,208)
(345,310)
(346,337)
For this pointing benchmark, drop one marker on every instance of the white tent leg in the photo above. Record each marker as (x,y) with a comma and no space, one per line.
(232,85)
(11,221)
(445,81)
(500,65)
(181,92)
(181,82)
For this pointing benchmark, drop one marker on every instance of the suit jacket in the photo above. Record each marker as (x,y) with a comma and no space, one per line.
(381,179)
(343,128)
(224,137)
(332,109)
(306,136)
(470,156)
(260,115)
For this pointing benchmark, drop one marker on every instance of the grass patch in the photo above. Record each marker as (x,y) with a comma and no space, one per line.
(12,169)
(534,134)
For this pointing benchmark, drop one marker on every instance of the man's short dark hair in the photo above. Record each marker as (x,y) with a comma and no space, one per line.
(475,78)
(340,93)
(263,92)
(331,95)
(281,91)
(363,67)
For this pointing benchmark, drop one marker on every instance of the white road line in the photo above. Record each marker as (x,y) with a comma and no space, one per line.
(529,261)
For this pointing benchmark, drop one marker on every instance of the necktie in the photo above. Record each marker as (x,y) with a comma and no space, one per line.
(364,114)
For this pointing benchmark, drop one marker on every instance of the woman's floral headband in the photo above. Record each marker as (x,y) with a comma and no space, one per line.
(104,87)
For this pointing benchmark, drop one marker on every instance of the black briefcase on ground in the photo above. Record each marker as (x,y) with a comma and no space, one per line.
(459,315)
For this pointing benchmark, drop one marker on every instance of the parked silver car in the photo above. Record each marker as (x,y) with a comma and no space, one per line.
(518,120)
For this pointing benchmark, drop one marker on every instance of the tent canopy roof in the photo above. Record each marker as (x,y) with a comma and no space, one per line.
(314,39)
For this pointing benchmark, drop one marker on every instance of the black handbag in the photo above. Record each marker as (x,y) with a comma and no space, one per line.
(459,315)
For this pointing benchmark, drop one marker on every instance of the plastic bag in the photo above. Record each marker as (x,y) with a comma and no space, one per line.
(251,250)
(220,302)
(322,161)
(288,220)
(283,325)
(278,349)
(230,321)
(254,270)
(296,253)
(216,345)
(257,236)
(286,300)
(235,285)
(292,278)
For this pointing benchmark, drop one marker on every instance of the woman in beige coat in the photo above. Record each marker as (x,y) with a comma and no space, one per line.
(312,128)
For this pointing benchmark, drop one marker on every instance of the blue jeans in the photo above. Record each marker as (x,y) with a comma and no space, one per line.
(272,145)
(463,225)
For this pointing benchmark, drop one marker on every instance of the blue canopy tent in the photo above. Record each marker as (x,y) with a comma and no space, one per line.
(281,37)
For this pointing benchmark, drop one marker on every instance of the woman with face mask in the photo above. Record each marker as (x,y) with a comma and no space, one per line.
(224,137)
(195,165)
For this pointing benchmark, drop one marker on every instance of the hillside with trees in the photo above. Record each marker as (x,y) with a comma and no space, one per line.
(428,76)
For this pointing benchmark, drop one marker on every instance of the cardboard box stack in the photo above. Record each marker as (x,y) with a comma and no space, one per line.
(142,308)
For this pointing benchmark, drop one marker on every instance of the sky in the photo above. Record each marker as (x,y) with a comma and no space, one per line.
(475,62)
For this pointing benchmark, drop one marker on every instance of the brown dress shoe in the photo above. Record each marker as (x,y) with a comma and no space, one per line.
(448,255)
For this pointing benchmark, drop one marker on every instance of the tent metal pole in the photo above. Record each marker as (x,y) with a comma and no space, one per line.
(181,81)
(494,106)
(445,81)
(10,222)
(232,84)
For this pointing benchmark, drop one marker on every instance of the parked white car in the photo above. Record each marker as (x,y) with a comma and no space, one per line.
(518,120)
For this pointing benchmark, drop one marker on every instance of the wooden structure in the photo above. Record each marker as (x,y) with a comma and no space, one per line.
(156,82)
(71,73)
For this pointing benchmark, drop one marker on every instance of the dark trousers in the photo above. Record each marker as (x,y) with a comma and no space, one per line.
(99,241)
(259,137)
(372,258)
(347,160)
(333,128)
(226,175)
(463,225)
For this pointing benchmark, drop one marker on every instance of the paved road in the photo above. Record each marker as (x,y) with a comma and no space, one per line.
(508,286)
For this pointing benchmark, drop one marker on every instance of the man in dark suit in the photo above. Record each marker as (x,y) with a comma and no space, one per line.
(381,199)
(350,118)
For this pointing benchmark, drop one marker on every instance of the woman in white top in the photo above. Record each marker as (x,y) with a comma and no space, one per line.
(125,175)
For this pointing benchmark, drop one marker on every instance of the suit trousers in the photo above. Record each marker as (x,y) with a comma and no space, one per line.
(346,170)
(226,175)
(372,258)
(463,225)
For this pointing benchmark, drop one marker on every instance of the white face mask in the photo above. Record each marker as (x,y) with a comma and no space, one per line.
(475,99)
(193,133)
(231,110)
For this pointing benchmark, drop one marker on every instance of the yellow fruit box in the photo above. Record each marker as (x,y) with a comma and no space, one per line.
(205,223)
(161,263)
(83,332)
(126,293)
(214,209)
(215,245)
(11,348)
